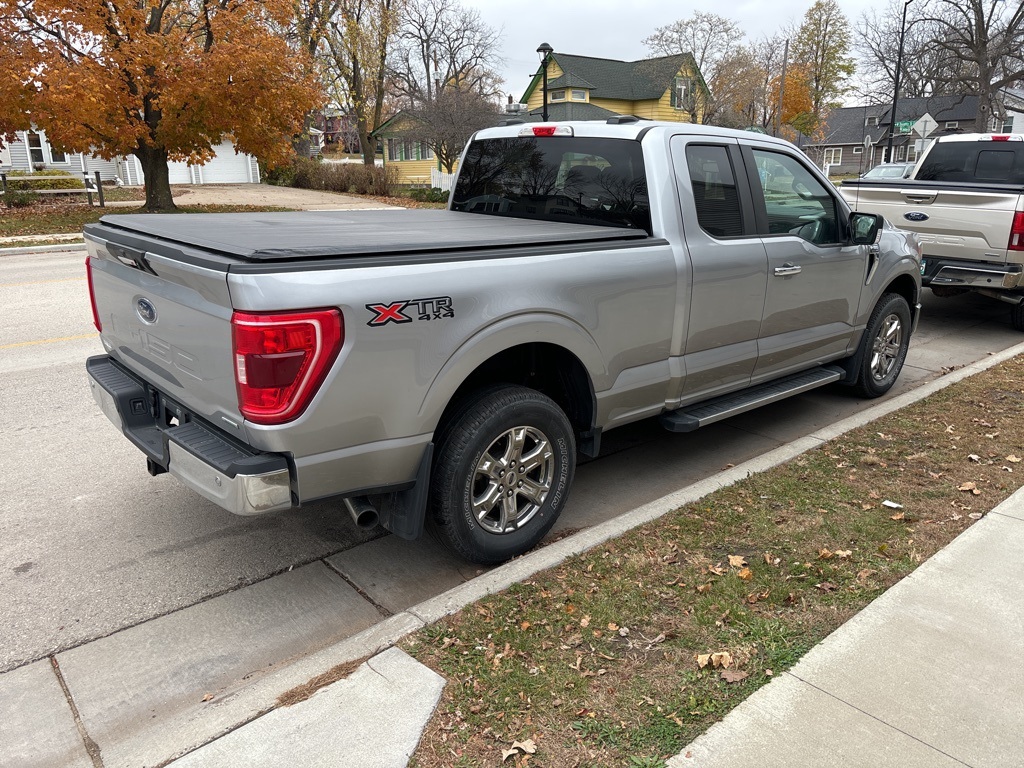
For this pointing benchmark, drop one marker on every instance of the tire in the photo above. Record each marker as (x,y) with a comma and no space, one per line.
(883,347)
(1017,317)
(504,464)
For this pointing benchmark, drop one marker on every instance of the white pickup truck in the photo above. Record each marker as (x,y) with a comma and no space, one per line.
(965,201)
(446,367)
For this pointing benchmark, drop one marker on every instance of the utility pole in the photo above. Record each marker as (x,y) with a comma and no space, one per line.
(896,85)
(782,91)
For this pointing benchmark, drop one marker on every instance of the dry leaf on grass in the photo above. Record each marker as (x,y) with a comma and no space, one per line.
(746,574)
(737,561)
(826,586)
(968,486)
(721,659)
(1013,459)
(897,516)
(734,675)
(843,554)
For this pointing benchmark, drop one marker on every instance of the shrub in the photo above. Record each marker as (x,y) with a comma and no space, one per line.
(345,178)
(433,195)
(22,180)
(16,198)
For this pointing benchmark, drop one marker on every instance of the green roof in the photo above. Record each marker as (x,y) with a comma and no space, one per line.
(613,79)
(571,110)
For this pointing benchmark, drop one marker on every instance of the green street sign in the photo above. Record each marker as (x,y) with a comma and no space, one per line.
(904,126)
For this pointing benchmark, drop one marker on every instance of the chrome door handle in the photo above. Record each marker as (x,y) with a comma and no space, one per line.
(787,269)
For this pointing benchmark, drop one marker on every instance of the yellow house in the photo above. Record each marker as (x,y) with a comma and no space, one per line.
(588,88)
(412,159)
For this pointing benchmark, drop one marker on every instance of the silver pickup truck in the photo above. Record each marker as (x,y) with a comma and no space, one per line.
(447,367)
(965,201)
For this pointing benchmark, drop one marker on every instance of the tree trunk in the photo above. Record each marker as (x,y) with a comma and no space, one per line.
(303,142)
(366,143)
(158,186)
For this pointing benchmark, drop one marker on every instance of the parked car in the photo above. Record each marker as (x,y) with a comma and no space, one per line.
(965,201)
(446,367)
(890,171)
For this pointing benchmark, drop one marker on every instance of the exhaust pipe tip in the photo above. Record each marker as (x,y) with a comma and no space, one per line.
(363,513)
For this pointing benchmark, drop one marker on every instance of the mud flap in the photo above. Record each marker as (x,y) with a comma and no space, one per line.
(403,513)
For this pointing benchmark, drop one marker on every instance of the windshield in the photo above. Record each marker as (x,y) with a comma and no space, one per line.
(558,178)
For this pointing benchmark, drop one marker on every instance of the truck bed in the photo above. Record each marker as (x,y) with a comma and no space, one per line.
(305,235)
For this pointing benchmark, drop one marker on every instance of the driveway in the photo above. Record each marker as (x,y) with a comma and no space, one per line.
(264,195)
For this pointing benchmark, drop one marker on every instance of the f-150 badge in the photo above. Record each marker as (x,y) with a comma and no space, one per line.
(437,308)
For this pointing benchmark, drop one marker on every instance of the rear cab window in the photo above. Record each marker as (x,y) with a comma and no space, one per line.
(994,162)
(569,179)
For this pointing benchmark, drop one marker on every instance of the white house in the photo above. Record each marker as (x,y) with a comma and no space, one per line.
(30,151)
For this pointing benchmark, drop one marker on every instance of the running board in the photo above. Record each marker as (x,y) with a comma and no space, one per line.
(701,414)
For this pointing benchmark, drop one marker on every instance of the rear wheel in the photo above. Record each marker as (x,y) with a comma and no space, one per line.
(1017,316)
(883,346)
(502,472)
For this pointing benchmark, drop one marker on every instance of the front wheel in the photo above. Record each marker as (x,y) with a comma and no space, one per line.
(502,473)
(883,346)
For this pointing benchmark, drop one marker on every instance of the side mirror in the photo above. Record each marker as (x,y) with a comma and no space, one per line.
(866,228)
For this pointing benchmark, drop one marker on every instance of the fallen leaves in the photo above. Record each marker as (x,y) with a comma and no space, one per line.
(721,659)
(734,675)
(737,561)
(518,748)
(969,486)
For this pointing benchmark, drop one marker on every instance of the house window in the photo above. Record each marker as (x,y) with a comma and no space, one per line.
(952,124)
(558,96)
(858,150)
(912,153)
(394,150)
(56,156)
(579,95)
(1008,125)
(35,148)
(833,156)
(681,93)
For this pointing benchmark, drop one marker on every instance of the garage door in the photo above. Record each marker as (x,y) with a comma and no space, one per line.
(227,167)
(179,173)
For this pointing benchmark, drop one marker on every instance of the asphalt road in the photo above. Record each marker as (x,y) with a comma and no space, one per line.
(91,544)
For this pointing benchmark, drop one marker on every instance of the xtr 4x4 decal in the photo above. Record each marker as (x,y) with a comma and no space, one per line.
(437,308)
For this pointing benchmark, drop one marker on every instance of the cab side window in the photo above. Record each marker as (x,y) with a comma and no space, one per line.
(714,190)
(795,202)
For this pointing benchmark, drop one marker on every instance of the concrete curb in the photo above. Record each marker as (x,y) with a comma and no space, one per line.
(391,631)
(72,245)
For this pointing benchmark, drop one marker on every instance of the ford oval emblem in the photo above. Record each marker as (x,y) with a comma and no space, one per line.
(146,311)
(915,216)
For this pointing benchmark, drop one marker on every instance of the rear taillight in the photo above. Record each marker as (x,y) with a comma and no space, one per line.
(1017,232)
(92,296)
(281,360)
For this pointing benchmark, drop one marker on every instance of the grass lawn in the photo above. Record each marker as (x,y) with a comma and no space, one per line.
(625,654)
(60,218)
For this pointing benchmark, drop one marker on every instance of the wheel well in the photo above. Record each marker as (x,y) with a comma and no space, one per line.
(547,368)
(905,286)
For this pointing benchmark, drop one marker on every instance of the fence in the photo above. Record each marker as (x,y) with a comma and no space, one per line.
(442,180)
(93,186)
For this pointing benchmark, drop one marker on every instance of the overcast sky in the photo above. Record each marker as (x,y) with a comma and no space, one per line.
(615,29)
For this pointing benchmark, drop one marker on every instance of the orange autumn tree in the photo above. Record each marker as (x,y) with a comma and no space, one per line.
(161,79)
(797,109)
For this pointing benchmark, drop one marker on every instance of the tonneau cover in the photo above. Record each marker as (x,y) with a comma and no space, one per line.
(285,236)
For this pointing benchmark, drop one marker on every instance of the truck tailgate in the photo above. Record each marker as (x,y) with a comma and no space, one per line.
(953,223)
(169,321)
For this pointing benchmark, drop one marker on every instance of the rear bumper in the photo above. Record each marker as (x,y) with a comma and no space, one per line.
(235,476)
(972,274)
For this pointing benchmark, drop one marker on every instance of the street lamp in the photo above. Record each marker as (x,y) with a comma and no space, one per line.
(896,82)
(545,52)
